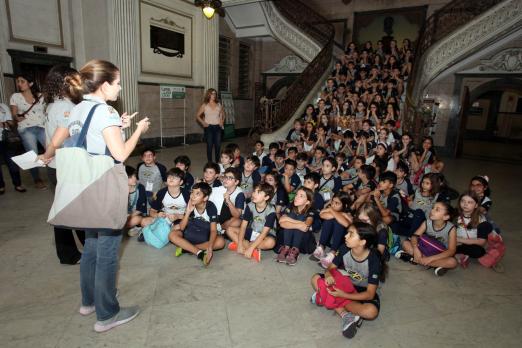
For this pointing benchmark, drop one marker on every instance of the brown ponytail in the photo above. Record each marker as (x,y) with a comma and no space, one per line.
(95,73)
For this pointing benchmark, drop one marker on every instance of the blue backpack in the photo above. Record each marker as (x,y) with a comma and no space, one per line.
(157,233)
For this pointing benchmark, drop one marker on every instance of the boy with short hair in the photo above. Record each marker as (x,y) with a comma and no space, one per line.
(137,207)
(316,162)
(256,232)
(349,177)
(198,228)
(404,185)
(259,152)
(211,174)
(279,162)
(291,153)
(289,178)
(250,176)
(183,162)
(170,202)
(301,169)
(226,161)
(387,199)
(234,199)
(151,174)
(294,135)
(364,185)
(268,161)
(330,183)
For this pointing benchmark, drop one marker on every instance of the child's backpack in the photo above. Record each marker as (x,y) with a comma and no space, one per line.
(494,251)
(405,208)
(157,233)
(323,298)
(394,242)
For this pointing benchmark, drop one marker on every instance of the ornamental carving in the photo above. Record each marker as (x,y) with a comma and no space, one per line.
(509,60)
(286,32)
(494,23)
(289,65)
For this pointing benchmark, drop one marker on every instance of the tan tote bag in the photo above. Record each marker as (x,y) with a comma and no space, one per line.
(92,190)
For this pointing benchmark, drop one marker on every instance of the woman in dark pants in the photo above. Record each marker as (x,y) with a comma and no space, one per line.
(212,117)
(60,102)
(6,153)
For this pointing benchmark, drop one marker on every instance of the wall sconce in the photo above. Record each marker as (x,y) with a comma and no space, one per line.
(210,7)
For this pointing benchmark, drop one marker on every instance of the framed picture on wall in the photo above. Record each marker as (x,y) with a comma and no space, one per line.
(166,40)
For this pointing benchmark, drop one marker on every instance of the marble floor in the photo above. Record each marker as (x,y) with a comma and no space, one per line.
(238,303)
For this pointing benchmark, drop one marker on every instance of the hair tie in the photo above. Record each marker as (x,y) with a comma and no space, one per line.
(485,177)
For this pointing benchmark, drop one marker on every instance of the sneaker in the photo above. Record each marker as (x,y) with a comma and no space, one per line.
(141,237)
(133,232)
(404,256)
(349,324)
(124,316)
(281,257)
(318,254)
(178,252)
(232,246)
(203,256)
(256,255)
(291,257)
(327,260)
(463,260)
(87,310)
(313,298)
(439,271)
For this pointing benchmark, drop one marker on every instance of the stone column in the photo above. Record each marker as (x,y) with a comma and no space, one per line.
(211,52)
(125,48)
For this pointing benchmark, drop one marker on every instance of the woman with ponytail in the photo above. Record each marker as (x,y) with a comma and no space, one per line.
(60,99)
(366,267)
(99,82)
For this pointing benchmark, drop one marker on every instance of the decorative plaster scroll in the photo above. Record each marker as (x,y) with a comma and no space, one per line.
(509,60)
(288,34)
(500,19)
(168,22)
(288,65)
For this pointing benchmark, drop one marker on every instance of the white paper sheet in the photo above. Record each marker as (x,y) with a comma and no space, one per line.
(28,160)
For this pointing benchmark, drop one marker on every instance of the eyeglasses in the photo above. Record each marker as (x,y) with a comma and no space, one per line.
(227,177)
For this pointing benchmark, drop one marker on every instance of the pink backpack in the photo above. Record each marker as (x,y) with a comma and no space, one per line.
(323,298)
(494,251)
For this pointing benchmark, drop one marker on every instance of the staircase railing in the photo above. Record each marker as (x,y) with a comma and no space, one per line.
(318,28)
(439,25)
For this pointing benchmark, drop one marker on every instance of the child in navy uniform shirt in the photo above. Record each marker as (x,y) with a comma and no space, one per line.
(198,228)
(250,176)
(183,162)
(330,182)
(211,173)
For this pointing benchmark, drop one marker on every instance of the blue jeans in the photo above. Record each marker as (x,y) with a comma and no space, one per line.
(213,138)
(98,270)
(31,136)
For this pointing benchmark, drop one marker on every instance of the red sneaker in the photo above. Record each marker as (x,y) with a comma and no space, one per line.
(232,246)
(256,255)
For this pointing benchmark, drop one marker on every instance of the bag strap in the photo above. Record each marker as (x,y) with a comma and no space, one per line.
(82,139)
(324,183)
(30,108)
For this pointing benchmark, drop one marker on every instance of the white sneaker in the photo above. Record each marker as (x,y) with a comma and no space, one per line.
(87,310)
(317,254)
(327,260)
(124,316)
(133,232)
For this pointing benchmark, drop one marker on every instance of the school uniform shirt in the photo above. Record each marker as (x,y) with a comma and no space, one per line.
(329,187)
(267,162)
(352,179)
(293,136)
(295,181)
(486,203)
(393,203)
(257,220)
(424,203)
(138,200)
(5,113)
(359,185)
(57,115)
(441,235)
(280,197)
(465,231)
(260,156)
(301,173)
(35,117)
(171,205)
(362,272)
(207,217)
(306,146)
(188,182)
(248,182)
(405,186)
(289,211)
(104,116)
(152,177)
(237,198)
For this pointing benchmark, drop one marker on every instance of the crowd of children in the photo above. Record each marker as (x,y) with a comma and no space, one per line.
(344,187)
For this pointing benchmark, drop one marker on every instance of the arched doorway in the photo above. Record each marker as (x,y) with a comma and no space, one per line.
(492,127)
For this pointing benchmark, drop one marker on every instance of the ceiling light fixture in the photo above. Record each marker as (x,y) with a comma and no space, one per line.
(210,7)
